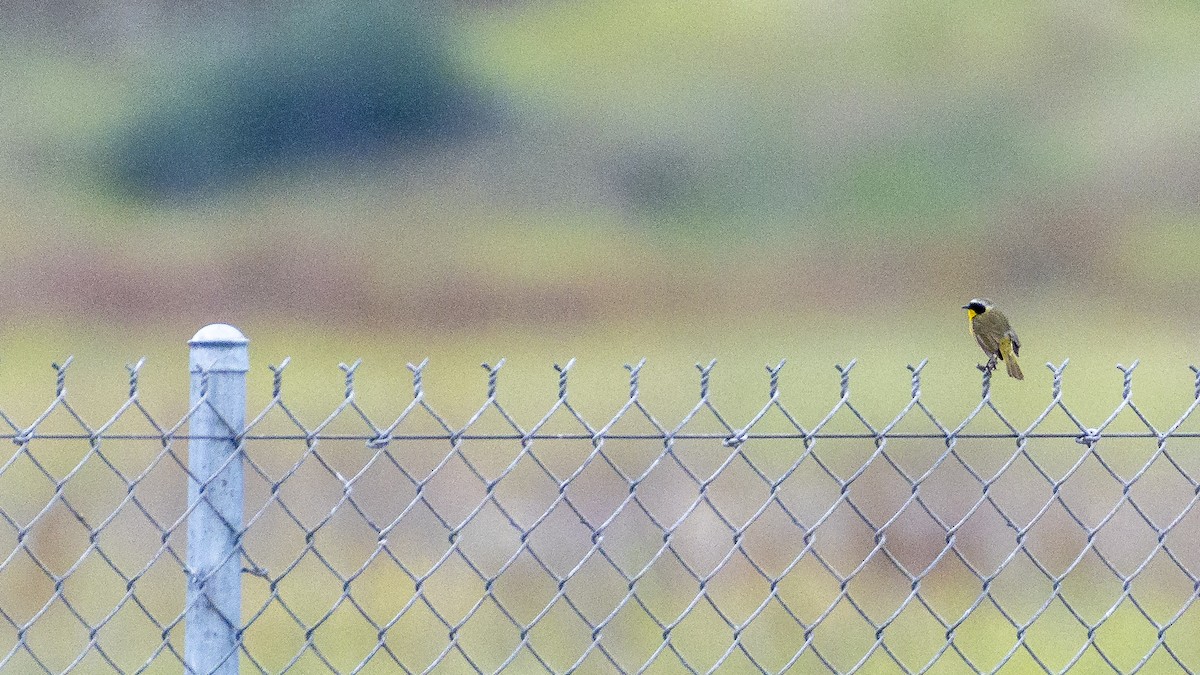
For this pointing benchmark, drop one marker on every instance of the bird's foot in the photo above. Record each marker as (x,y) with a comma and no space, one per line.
(990,367)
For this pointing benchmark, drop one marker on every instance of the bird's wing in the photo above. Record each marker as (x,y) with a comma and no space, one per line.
(1016,342)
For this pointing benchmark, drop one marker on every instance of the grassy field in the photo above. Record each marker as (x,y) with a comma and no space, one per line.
(796,181)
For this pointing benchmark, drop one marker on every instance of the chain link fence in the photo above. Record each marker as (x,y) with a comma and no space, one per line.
(226,542)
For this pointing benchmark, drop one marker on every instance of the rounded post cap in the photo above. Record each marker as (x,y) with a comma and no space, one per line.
(219,348)
(218,334)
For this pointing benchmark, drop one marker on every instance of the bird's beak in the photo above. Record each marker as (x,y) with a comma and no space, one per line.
(966,307)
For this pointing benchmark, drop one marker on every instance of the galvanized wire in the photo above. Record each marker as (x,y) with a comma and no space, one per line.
(419,544)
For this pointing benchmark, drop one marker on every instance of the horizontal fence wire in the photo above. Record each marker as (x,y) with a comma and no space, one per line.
(625,544)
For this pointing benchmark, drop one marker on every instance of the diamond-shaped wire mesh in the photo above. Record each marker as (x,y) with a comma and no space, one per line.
(623,544)
(91,548)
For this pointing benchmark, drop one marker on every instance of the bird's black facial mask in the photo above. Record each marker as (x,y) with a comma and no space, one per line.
(976,307)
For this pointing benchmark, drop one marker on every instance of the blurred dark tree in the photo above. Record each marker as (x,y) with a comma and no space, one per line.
(277,86)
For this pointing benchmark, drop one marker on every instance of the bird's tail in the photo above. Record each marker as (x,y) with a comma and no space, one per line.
(1010,360)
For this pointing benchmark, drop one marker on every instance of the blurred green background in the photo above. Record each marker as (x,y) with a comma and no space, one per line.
(541,180)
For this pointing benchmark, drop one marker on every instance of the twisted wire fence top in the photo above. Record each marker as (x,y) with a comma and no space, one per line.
(625,543)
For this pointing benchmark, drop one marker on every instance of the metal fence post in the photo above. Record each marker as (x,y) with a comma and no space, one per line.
(219,360)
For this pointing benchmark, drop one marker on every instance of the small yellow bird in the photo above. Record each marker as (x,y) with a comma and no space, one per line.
(995,336)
